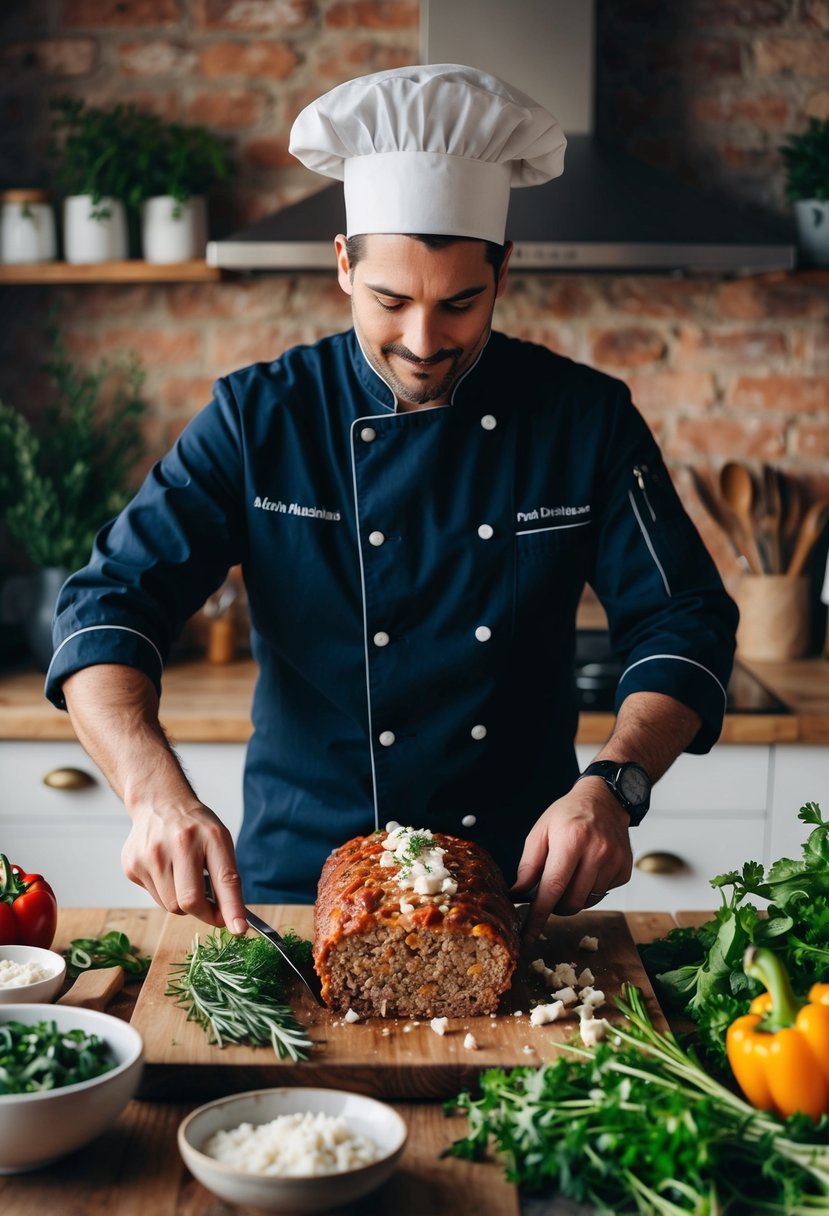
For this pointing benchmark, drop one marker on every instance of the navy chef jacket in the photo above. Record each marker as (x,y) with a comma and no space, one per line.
(413,579)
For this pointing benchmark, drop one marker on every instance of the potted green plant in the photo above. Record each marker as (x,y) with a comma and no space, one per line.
(179,164)
(806,157)
(95,149)
(62,480)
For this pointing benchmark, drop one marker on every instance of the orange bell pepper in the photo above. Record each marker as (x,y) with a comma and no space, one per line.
(779,1051)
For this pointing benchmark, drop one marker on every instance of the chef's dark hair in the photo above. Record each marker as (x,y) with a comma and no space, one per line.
(355,247)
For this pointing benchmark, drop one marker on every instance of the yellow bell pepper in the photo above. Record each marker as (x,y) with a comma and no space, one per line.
(779,1051)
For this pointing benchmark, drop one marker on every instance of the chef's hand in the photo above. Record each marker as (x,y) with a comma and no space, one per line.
(167,852)
(575,852)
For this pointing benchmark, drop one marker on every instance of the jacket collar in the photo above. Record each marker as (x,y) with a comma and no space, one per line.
(377,388)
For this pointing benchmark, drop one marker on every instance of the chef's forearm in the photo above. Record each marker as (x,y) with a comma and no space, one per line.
(651,729)
(114,712)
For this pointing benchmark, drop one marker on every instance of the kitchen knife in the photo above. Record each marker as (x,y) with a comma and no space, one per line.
(305,971)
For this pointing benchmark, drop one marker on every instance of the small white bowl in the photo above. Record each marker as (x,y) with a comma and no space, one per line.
(42,991)
(300,1196)
(38,1128)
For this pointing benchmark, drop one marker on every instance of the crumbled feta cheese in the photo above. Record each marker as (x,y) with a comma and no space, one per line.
(386,1031)
(407,1029)
(567,995)
(439,1025)
(592,1030)
(517,1013)
(586,977)
(542,1014)
(470,1043)
(539,965)
(527,1050)
(351,1016)
(591,997)
(386,859)
(427,884)
(563,976)
(589,943)
(406,907)
(449,887)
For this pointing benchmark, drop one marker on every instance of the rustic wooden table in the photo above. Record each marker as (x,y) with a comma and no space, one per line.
(135,1167)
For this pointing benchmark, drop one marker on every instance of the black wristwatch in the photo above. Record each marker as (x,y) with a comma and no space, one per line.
(629,782)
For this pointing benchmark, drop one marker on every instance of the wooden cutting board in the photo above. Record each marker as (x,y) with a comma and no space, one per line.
(386,1058)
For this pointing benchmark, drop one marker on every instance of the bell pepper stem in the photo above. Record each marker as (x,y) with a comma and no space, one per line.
(763,965)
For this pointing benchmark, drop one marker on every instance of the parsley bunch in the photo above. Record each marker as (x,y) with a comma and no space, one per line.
(700,971)
(636,1125)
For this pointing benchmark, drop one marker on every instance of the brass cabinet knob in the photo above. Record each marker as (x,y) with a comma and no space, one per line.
(660,863)
(68,779)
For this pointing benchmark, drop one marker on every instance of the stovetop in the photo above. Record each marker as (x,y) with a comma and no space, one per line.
(598,672)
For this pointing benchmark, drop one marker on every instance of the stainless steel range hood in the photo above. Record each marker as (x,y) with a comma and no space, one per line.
(607,212)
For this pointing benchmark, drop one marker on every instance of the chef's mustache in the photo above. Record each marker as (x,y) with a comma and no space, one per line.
(394,348)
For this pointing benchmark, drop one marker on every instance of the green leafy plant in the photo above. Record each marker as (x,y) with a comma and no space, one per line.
(61,482)
(125,153)
(806,157)
(97,150)
(181,161)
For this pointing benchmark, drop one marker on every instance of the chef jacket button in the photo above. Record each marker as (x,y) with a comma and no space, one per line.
(376,538)
(483,633)
(489,422)
(367,434)
(381,638)
(469,821)
(387,738)
(477,732)
(486,531)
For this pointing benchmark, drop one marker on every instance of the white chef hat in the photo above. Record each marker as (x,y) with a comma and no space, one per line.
(429,149)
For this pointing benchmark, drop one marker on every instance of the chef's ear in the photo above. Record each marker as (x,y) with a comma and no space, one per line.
(502,273)
(343,267)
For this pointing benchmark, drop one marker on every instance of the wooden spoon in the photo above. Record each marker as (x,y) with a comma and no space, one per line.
(737,488)
(771,516)
(814,521)
(792,512)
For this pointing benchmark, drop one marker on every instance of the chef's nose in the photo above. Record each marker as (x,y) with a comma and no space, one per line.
(422,337)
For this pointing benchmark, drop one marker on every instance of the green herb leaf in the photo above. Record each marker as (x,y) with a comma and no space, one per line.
(233,987)
(111,950)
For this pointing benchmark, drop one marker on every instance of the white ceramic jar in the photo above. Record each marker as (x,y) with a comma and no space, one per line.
(94,232)
(172,231)
(27,227)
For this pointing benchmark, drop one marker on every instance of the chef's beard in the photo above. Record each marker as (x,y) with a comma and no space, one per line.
(431,391)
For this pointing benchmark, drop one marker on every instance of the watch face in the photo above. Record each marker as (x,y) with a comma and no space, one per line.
(634,784)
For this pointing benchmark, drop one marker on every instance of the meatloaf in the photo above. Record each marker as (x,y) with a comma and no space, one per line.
(413,924)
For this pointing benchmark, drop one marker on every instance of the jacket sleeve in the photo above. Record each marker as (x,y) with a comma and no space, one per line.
(154,565)
(669,616)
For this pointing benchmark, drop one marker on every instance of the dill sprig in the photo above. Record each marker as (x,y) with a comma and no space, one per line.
(233,988)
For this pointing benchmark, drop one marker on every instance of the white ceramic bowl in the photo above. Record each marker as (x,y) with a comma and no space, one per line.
(43,990)
(41,1127)
(303,1195)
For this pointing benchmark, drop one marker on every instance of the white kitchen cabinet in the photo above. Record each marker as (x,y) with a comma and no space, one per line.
(800,773)
(74,836)
(708,815)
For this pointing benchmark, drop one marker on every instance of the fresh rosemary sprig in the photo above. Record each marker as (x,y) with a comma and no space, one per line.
(233,988)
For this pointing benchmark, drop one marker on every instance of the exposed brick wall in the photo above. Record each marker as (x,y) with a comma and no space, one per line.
(708,87)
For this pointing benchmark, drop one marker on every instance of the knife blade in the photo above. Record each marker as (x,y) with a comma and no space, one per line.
(305,972)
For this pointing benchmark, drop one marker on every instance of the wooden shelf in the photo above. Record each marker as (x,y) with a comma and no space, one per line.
(132,271)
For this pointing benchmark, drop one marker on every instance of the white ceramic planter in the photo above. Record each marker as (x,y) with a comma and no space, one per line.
(27,227)
(171,231)
(812,216)
(89,239)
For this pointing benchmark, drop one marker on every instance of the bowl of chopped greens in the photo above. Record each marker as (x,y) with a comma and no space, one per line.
(66,1073)
(30,975)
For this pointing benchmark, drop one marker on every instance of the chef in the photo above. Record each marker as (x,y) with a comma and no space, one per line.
(417,505)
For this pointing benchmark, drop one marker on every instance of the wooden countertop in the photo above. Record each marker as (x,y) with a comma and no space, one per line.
(135,1166)
(207,703)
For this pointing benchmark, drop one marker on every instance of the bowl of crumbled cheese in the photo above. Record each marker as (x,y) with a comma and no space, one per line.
(292,1150)
(30,975)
